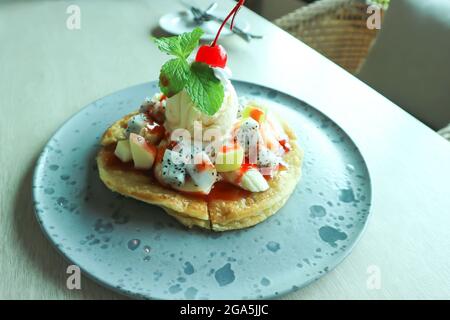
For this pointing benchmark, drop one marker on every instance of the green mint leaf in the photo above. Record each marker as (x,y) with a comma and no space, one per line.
(180,46)
(205,90)
(190,41)
(173,77)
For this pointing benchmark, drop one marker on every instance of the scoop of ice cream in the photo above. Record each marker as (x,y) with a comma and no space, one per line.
(181,113)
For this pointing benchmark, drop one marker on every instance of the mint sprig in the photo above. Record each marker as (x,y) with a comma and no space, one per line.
(198,79)
(180,46)
(205,90)
(173,76)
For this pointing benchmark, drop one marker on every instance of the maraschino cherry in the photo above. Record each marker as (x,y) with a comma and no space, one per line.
(214,54)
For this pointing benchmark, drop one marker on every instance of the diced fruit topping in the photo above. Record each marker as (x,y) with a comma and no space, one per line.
(256,113)
(202,172)
(268,162)
(229,158)
(270,139)
(274,137)
(153,132)
(274,126)
(136,124)
(253,181)
(173,168)
(157,114)
(143,154)
(248,136)
(202,162)
(154,108)
(285,144)
(267,158)
(250,179)
(123,151)
(160,153)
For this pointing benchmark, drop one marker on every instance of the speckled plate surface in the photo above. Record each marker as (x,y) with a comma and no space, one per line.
(140,251)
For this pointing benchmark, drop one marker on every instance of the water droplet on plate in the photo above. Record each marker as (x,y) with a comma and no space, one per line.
(188,268)
(134,244)
(63,202)
(317,211)
(273,246)
(265,282)
(331,235)
(224,275)
(347,195)
(49,191)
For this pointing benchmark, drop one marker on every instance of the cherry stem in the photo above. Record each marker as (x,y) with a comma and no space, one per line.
(232,13)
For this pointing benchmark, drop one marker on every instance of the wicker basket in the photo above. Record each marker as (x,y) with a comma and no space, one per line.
(335,28)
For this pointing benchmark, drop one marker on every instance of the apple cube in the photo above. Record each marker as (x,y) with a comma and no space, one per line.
(143,153)
(123,151)
(229,158)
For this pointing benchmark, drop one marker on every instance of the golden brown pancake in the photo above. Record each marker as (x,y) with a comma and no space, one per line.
(243,210)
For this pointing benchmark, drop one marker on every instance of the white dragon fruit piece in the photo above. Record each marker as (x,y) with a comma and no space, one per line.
(187,148)
(148,103)
(267,158)
(136,124)
(268,162)
(249,137)
(173,168)
(202,172)
(155,107)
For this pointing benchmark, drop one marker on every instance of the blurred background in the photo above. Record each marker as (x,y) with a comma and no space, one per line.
(273,9)
(396,46)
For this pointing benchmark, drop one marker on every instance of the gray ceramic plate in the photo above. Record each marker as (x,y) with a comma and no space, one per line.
(140,251)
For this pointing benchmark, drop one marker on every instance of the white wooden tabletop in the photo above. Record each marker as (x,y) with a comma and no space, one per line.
(49,72)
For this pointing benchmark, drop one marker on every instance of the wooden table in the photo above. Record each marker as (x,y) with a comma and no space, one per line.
(49,72)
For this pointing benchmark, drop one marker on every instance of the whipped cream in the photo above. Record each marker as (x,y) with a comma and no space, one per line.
(223,74)
(181,112)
